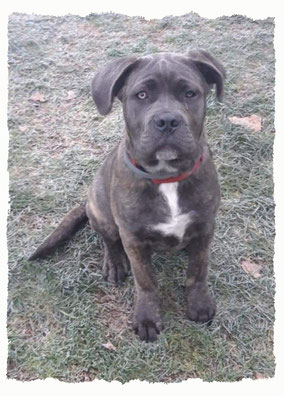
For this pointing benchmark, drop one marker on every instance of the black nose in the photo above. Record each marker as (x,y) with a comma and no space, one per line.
(166,122)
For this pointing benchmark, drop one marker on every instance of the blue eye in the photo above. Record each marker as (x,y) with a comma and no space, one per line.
(190,94)
(142,95)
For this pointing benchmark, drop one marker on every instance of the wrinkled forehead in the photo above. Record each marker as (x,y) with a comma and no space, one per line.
(165,68)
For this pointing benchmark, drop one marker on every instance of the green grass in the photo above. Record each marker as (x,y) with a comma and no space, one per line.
(60,311)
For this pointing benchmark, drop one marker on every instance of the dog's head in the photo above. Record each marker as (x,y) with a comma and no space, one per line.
(164,104)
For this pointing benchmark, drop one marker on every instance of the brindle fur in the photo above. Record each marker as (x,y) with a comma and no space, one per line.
(124,209)
(71,223)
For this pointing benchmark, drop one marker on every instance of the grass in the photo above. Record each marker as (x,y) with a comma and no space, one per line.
(60,311)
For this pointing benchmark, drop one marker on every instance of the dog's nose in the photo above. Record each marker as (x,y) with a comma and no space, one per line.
(166,122)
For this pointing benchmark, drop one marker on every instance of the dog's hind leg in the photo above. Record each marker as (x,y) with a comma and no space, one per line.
(116,264)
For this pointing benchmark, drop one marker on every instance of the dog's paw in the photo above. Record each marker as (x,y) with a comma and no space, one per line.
(148,330)
(147,322)
(200,308)
(114,273)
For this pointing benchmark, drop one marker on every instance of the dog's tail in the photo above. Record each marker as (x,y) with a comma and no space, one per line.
(71,223)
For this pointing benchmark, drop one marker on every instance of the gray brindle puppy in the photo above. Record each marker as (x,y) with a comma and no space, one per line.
(158,188)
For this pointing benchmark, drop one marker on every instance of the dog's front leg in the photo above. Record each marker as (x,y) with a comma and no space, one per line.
(200,305)
(146,319)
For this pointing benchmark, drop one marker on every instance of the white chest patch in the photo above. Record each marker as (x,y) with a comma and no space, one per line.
(177,222)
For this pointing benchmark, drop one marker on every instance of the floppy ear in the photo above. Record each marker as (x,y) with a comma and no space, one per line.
(107,83)
(210,68)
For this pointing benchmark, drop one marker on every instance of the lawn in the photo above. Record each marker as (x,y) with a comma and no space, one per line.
(64,320)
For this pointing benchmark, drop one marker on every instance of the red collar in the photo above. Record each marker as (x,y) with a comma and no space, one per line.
(176,178)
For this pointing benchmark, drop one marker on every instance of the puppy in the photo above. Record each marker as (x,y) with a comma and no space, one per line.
(158,188)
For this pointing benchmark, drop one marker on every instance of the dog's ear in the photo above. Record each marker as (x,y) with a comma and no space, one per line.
(210,68)
(107,83)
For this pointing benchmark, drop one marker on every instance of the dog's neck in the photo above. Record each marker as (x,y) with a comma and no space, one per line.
(156,178)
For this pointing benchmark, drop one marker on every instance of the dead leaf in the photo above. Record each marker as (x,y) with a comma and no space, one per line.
(260,376)
(109,346)
(70,95)
(251,268)
(252,122)
(38,97)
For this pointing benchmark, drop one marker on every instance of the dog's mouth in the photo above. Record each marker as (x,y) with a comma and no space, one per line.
(167,160)
(167,148)
(166,153)
(171,155)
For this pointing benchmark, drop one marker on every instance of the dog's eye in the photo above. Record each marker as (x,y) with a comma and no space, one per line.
(142,95)
(190,94)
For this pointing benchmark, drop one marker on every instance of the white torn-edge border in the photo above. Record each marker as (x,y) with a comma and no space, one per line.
(150,10)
